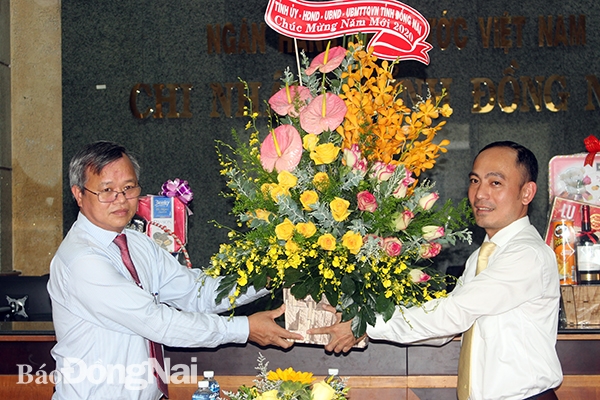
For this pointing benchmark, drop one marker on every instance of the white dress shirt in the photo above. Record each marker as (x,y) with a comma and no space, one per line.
(515,302)
(103,320)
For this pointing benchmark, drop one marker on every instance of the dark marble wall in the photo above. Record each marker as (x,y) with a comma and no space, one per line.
(120,44)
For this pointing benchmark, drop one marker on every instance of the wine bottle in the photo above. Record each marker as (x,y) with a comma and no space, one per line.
(588,251)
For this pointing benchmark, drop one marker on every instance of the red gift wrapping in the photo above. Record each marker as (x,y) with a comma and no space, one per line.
(167,220)
(571,210)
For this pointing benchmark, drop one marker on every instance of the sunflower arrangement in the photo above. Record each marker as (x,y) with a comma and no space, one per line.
(289,384)
(329,201)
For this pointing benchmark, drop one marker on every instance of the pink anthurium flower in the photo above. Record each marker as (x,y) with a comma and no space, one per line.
(285,101)
(325,112)
(327,61)
(282,149)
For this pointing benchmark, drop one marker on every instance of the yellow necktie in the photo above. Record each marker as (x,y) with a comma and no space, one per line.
(464,362)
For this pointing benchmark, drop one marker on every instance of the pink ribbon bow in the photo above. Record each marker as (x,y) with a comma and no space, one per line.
(178,188)
(592,145)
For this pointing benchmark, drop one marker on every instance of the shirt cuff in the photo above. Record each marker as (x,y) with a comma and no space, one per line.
(378,331)
(238,329)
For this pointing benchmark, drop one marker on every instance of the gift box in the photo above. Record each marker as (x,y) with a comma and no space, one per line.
(167,221)
(571,210)
(569,178)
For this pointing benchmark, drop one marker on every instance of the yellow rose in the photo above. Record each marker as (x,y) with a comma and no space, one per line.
(291,246)
(266,188)
(310,141)
(321,181)
(324,153)
(286,179)
(352,241)
(285,230)
(262,214)
(270,395)
(278,190)
(339,209)
(306,229)
(327,242)
(308,198)
(322,391)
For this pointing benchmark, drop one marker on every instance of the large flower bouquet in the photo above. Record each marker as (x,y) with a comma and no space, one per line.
(289,384)
(329,197)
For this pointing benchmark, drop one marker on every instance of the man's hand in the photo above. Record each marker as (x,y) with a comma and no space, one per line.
(265,331)
(341,337)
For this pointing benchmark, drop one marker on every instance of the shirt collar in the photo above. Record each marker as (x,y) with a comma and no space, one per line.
(102,235)
(505,234)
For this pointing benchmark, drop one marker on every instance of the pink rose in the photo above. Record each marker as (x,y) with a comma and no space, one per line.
(402,220)
(361,165)
(392,246)
(366,201)
(352,157)
(432,232)
(400,191)
(382,171)
(427,201)
(418,276)
(430,250)
(402,188)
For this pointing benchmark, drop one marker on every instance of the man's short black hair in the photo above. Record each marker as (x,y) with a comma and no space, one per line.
(525,158)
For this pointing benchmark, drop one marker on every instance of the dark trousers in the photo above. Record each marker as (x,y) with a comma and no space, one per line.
(546,395)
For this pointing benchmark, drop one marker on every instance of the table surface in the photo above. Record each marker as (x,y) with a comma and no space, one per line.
(46,328)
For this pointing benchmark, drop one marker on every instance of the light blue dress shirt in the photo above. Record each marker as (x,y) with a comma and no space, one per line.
(103,320)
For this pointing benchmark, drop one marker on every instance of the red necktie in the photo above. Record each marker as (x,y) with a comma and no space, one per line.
(155,348)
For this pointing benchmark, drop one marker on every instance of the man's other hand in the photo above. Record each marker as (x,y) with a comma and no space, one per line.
(265,331)
(341,338)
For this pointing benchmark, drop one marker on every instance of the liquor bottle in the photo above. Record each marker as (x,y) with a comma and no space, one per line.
(203,392)
(213,385)
(588,251)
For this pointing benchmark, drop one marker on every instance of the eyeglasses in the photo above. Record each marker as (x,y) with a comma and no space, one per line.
(108,196)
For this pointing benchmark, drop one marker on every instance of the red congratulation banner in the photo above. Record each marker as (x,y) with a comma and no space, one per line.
(400,31)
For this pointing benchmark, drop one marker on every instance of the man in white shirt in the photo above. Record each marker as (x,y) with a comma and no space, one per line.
(512,305)
(104,319)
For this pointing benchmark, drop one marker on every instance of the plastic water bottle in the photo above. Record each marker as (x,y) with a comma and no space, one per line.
(333,374)
(333,379)
(213,385)
(203,392)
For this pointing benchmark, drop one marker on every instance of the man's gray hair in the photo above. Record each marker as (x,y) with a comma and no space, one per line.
(95,156)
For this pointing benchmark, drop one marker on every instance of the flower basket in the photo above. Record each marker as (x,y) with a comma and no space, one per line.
(328,197)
